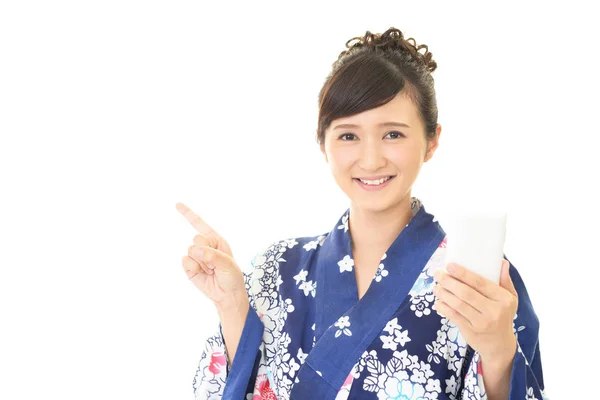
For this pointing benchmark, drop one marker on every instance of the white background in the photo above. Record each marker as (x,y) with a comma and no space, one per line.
(111,112)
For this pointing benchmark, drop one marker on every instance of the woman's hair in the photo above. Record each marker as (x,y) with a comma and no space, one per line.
(372,72)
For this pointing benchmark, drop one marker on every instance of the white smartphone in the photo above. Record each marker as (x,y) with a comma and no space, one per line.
(475,240)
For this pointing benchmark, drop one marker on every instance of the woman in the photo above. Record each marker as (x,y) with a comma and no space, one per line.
(356,313)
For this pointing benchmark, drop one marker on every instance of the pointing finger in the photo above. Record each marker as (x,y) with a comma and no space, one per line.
(210,241)
(194,219)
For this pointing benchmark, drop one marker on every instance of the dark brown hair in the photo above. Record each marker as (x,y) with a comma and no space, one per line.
(374,69)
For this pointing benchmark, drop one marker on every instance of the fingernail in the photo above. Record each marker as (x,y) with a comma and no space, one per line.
(451,268)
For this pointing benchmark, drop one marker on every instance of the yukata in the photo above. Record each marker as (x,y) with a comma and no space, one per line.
(308,336)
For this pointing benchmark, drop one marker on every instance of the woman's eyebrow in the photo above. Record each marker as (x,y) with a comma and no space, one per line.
(391,123)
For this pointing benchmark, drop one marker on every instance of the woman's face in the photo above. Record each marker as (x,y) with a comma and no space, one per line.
(367,147)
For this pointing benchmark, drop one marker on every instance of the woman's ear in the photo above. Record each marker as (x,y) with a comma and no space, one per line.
(432,144)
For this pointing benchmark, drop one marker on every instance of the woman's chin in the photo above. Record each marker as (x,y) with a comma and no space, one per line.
(373,206)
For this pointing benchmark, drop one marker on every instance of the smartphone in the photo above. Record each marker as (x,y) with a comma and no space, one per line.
(475,240)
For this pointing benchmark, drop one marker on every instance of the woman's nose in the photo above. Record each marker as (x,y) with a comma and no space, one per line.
(371,157)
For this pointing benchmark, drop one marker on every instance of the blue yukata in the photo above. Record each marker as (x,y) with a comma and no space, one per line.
(308,336)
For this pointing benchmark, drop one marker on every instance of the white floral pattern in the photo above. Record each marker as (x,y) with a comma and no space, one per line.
(381,271)
(313,244)
(344,224)
(343,323)
(422,305)
(396,335)
(346,264)
(474,388)
(404,376)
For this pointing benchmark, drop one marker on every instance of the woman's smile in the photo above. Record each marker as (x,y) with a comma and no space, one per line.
(376,184)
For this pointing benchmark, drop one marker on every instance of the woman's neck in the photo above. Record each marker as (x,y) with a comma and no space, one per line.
(376,231)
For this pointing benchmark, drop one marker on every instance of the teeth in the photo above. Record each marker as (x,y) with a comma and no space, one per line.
(377,182)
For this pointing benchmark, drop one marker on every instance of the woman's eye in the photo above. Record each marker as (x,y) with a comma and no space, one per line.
(352,136)
(395,134)
(347,136)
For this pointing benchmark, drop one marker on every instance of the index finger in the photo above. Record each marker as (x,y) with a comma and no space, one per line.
(481,284)
(195,220)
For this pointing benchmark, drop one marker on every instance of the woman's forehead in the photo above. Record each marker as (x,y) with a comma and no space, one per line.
(399,112)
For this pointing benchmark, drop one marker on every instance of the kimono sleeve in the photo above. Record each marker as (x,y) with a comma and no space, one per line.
(526,380)
(213,378)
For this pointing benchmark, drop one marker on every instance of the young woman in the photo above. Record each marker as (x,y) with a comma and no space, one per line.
(367,310)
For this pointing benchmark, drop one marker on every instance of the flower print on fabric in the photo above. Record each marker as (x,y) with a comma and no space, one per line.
(452,386)
(301,276)
(474,387)
(381,271)
(344,224)
(312,245)
(449,346)
(404,376)
(274,311)
(343,323)
(211,374)
(396,335)
(362,363)
(289,243)
(308,287)
(262,389)
(425,281)
(218,362)
(346,264)
(422,305)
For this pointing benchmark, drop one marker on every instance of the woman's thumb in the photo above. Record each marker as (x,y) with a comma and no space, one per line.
(505,280)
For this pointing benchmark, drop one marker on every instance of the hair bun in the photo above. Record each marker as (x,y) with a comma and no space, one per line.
(392,40)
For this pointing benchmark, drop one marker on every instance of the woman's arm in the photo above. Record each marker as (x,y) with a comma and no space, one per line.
(497,374)
(227,366)
(232,315)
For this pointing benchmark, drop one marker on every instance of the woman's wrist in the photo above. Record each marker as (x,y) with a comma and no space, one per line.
(502,358)
(232,315)
(234,304)
(497,371)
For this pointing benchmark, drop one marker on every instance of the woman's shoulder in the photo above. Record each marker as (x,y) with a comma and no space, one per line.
(287,256)
(294,246)
(282,263)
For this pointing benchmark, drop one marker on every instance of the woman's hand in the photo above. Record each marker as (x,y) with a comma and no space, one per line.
(210,266)
(482,310)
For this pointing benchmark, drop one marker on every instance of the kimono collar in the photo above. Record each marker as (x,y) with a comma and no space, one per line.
(345,326)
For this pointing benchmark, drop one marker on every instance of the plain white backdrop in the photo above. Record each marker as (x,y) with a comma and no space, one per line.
(112,112)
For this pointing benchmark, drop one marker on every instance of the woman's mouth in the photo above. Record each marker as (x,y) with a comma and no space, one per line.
(375,184)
